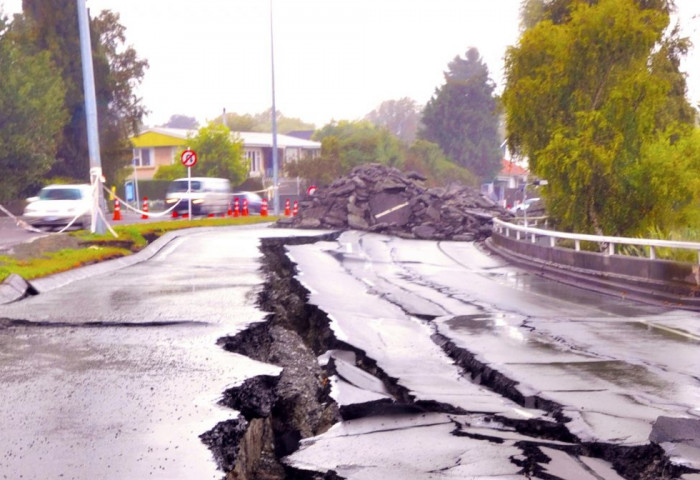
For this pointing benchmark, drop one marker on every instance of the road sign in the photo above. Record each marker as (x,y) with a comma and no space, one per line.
(311,190)
(188,158)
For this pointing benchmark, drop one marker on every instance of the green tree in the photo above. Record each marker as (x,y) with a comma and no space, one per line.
(262,122)
(31,116)
(401,117)
(586,98)
(429,160)
(181,121)
(120,111)
(462,117)
(345,145)
(218,155)
(52,25)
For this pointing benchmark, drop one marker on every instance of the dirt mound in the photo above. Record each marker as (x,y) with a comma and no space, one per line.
(383,199)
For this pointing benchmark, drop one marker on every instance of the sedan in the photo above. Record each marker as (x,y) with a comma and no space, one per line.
(59,205)
(254,201)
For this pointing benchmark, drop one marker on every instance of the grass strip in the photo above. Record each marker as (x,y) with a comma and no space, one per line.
(98,248)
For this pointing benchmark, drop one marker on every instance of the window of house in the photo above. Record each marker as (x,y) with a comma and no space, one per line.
(143,157)
(253,156)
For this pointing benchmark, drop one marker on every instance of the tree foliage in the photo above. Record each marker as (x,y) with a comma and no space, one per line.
(31,116)
(262,122)
(462,116)
(52,26)
(218,155)
(400,117)
(345,145)
(588,98)
(429,160)
(181,121)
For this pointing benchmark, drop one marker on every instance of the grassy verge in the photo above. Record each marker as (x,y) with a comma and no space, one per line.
(97,248)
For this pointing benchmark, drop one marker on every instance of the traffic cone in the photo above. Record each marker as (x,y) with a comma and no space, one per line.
(263,208)
(244,212)
(229,212)
(287,211)
(144,215)
(236,209)
(295,210)
(117,210)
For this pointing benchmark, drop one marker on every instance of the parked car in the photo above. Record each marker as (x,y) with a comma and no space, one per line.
(254,201)
(521,207)
(209,195)
(58,205)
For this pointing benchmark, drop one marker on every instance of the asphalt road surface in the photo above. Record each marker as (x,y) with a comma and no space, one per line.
(116,375)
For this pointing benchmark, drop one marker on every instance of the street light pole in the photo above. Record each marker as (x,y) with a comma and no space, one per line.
(275,161)
(91,116)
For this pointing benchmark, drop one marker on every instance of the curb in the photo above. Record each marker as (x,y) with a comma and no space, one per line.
(15,287)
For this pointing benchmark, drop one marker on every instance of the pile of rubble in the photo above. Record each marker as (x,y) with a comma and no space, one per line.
(382,199)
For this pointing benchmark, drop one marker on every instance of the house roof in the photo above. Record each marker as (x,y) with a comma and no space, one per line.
(161,136)
(509,168)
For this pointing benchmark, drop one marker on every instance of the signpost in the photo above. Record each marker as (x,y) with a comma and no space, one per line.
(189,159)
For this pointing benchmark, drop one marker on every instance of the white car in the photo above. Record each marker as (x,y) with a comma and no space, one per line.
(58,205)
(521,207)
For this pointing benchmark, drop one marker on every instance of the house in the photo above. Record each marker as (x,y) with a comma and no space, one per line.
(508,185)
(159,146)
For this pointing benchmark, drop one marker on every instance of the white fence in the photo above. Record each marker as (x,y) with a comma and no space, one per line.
(536,235)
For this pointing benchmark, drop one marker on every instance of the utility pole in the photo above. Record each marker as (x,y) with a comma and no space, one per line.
(275,161)
(98,223)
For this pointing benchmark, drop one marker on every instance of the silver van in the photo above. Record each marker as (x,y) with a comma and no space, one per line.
(209,196)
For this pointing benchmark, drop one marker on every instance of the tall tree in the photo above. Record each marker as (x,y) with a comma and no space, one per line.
(585,100)
(262,122)
(401,117)
(52,25)
(181,121)
(31,116)
(462,116)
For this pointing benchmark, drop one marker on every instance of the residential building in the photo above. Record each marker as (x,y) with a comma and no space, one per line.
(159,146)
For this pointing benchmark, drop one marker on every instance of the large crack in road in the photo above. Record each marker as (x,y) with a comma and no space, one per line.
(276,413)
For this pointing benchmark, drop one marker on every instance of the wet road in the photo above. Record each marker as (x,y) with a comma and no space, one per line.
(116,375)
(613,367)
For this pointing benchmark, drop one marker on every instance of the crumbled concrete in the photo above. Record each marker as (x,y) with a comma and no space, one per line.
(382,199)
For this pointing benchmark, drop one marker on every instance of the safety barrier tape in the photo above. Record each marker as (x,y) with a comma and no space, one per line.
(95,180)
(142,212)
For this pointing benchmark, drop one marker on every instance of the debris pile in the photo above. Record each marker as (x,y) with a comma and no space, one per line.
(382,199)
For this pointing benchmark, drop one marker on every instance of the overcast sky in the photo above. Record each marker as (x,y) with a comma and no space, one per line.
(334,59)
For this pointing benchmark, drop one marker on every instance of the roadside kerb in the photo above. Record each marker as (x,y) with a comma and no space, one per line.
(51,282)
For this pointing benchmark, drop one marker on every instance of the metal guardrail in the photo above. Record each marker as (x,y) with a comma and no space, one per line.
(534,234)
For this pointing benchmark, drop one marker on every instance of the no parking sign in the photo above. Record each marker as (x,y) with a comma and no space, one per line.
(188,158)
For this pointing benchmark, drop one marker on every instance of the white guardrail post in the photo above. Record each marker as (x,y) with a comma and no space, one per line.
(525,232)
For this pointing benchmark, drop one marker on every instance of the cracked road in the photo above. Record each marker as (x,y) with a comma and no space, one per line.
(117,375)
(610,368)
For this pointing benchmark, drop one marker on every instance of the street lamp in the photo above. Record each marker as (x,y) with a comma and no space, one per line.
(275,161)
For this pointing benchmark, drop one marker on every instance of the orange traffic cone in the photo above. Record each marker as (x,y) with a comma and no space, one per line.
(263,208)
(236,209)
(244,211)
(144,215)
(295,210)
(287,211)
(117,210)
